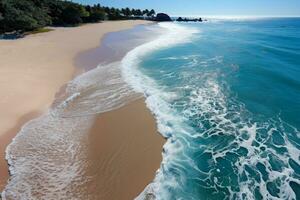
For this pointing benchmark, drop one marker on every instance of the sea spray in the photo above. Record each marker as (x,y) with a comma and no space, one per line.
(217,148)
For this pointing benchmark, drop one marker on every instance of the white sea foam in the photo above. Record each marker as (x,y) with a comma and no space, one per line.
(210,104)
(174,35)
(96,91)
(48,159)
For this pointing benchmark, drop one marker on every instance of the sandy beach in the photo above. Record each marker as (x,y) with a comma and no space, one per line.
(124,152)
(35,67)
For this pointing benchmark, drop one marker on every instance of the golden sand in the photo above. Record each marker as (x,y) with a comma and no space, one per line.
(35,67)
(124,152)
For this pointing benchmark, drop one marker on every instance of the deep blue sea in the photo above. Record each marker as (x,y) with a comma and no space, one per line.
(226,94)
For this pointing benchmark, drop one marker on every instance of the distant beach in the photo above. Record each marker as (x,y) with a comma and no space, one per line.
(33,70)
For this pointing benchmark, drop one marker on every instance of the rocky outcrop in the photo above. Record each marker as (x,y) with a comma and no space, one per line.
(162,17)
(180,19)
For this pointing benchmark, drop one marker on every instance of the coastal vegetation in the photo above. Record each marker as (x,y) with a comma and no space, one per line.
(32,15)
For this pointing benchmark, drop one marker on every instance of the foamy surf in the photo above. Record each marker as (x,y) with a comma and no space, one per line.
(96,91)
(174,35)
(48,157)
(216,148)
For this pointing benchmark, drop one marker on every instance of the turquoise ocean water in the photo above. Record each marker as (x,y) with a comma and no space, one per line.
(226,94)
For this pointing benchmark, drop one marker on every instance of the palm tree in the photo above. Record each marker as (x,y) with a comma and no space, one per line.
(133,12)
(151,13)
(139,12)
(128,12)
(146,12)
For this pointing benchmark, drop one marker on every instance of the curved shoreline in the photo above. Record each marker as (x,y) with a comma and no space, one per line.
(155,101)
(126,151)
(42,41)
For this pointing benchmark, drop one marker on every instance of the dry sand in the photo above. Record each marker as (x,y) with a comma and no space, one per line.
(33,69)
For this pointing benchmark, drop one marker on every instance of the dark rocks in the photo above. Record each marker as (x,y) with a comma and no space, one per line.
(162,17)
(12,35)
(180,19)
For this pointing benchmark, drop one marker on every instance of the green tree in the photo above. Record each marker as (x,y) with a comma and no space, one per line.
(151,13)
(133,12)
(88,8)
(146,12)
(1,14)
(55,11)
(114,14)
(98,6)
(123,11)
(128,12)
(107,10)
(23,16)
(139,12)
(27,15)
(73,14)
(97,14)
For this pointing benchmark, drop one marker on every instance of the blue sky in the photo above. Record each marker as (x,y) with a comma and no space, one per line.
(210,7)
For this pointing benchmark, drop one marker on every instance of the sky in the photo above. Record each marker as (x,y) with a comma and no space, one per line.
(209,7)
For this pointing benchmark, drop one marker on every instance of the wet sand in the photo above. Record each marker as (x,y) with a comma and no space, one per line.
(6,139)
(124,152)
(35,67)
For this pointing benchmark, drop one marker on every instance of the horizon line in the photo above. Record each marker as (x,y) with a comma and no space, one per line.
(237,16)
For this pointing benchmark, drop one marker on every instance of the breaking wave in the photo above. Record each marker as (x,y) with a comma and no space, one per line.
(216,148)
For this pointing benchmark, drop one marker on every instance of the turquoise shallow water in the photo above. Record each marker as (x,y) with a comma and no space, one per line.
(226,94)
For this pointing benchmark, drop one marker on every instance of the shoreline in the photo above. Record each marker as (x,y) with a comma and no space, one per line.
(126,150)
(56,75)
